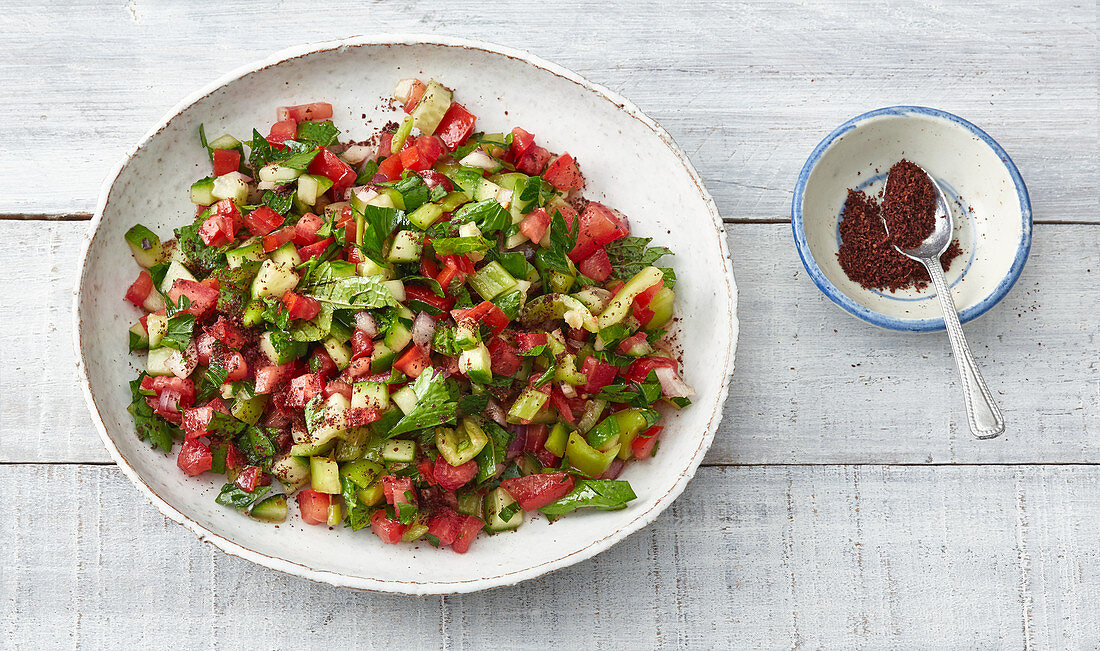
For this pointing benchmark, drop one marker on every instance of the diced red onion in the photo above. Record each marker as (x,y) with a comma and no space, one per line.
(423,329)
(168,402)
(356,154)
(365,321)
(479,159)
(568,390)
(380,178)
(267,185)
(520,441)
(671,384)
(496,412)
(614,470)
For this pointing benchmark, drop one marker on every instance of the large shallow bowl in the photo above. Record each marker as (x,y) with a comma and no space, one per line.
(628,161)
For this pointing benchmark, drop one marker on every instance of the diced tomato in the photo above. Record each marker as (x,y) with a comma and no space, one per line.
(140,289)
(503,357)
(529,340)
(262,221)
(415,93)
(329,165)
(413,362)
(359,416)
(220,228)
(634,340)
(460,262)
(428,267)
(315,249)
(390,531)
(361,344)
(228,333)
(562,173)
(521,142)
(599,374)
(211,282)
(643,444)
(349,233)
(444,525)
(398,490)
(195,457)
(203,297)
(456,126)
(391,167)
(639,369)
(428,297)
(302,389)
(305,231)
(204,345)
(596,266)
(320,362)
(430,148)
(385,144)
(299,306)
(433,178)
(467,531)
(233,457)
(268,378)
(314,506)
(599,226)
(645,297)
(332,387)
(533,160)
(197,419)
(182,387)
(558,401)
(426,473)
(252,477)
(282,130)
(278,238)
(534,225)
(453,477)
(449,276)
(236,368)
(486,312)
(226,161)
(537,433)
(305,112)
(359,369)
(568,214)
(411,159)
(536,491)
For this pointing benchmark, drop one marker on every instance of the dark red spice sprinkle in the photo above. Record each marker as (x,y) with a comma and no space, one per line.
(867,254)
(909,205)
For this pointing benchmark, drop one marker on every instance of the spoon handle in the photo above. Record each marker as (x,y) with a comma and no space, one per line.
(981,411)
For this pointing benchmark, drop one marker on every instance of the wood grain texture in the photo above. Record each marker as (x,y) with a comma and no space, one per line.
(781,557)
(812,385)
(746,88)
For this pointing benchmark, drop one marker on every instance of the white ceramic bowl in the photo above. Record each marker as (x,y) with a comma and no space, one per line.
(628,161)
(991,208)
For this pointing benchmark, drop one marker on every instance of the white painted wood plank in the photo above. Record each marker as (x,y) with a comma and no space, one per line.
(747,88)
(812,385)
(780,557)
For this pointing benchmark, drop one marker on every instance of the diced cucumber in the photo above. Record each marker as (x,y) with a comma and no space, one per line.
(399,450)
(157,324)
(560,283)
(334,420)
(253,314)
(407,247)
(382,358)
(253,252)
(145,245)
(492,280)
(527,405)
(369,267)
(462,443)
(363,472)
(312,186)
(224,141)
(401,135)
(339,352)
(202,192)
(486,189)
(287,254)
(271,509)
(619,306)
(371,495)
(404,398)
(431,108)
(372,395)
(280,348)
(157,362)
(139,337)
(466,336)
(335,513)
(249,410)
(231,186)
(594,298)
(555,442)
(498,500)
(475,364)
(398,337)
(397,290)
(273,280)
(310,448)
(469,503)
(426,215)
(275,173)
(176,271)
(661,305)
(453,200)
(154,302)
(324,475)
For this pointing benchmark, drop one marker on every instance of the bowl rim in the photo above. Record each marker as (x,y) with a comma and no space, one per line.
(877,318)
(410,587)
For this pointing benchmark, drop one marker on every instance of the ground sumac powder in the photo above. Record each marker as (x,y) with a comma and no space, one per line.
(867,254)
(909,205)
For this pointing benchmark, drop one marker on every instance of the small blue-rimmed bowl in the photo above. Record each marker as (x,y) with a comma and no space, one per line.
(992,212)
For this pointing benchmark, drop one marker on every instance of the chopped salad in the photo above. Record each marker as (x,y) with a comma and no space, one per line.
(430,333)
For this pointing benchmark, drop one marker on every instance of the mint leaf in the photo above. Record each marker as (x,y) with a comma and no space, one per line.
(460,245)
(377,226)
(238,498)
(629,255)
(181,327)
(358,513)
(489,216)
(317,134)
(360,292)
(434,405)
(150,427)
(602,494)
(509,303)
(280,203)
(492,456)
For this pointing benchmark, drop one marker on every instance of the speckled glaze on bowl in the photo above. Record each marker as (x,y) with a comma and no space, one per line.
(992,212)
(628,161)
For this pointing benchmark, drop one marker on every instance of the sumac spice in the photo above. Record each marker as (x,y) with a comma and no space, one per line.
(867,254)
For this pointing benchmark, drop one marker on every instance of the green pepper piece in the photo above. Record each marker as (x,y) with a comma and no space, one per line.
(461,444)
(619,306)
(586,459)
(555,443)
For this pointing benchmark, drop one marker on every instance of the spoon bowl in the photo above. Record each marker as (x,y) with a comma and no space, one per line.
(937,242)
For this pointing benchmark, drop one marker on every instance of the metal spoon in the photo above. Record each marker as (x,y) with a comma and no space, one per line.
(981,411)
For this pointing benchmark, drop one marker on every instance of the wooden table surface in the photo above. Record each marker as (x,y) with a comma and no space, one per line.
(834,510)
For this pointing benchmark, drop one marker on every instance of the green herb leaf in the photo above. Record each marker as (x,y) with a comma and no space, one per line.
(434,405)
(489,216)
(473,404)
(509,303)
(602,494)
(200,258)
(358,513)
(460,245)
(360,292)
(256,444)
(238,498)
(378,225)
(317,134)
(630,255)
(430,283)
(366,174)
(150,427)
(181,327)
(280,203)
(493,455)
